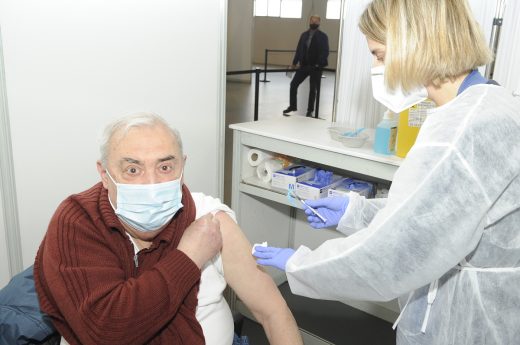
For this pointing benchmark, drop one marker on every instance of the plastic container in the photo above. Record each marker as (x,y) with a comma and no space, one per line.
(386,134)
(341,134)
(410,121)
(336,131)
(357,141)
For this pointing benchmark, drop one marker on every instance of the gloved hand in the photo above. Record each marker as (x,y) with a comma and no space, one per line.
(332,209)
(273,256)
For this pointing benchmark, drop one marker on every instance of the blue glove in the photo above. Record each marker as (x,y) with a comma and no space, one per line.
(272,256)
(331,208)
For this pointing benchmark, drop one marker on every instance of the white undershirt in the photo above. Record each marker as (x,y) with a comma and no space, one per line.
(213,312)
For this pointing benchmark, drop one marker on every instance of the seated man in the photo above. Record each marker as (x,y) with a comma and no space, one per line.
(138,258)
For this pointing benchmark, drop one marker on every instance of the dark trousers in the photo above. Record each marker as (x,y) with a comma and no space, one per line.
(300,75)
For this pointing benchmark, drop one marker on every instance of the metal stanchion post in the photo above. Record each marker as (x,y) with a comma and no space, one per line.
(257,87)
(495,36)
(265,66)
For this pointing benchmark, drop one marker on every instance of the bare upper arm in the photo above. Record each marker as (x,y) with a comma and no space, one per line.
(252,285)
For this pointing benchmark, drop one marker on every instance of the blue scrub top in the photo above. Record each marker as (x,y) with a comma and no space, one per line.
(472,79)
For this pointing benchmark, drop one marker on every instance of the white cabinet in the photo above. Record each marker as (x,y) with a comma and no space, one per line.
(266,214)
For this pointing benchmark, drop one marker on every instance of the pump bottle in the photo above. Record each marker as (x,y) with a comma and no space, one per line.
(386,134)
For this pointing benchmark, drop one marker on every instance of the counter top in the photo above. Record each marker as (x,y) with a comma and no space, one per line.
(313,133)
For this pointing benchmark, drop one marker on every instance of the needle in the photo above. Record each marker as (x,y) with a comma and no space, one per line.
(323,219)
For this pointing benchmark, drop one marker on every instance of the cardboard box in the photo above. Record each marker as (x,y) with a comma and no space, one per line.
(310,189)
(348,185)
(289,176)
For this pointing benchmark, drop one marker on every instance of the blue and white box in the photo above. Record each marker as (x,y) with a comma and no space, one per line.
(288,177)
(311,189)
(348,185)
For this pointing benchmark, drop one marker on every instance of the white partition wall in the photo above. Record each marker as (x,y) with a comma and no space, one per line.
(4,259)
(71,66)
(507,66)
(354,102)
(10,255)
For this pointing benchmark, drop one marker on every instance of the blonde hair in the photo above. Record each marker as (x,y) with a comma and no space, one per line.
(427,41)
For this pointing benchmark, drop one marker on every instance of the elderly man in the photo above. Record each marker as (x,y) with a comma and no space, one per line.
(138,258)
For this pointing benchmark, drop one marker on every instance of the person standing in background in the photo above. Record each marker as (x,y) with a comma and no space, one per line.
(310,57)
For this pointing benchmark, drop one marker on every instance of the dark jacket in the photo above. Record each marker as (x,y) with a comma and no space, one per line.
(317,53)
(21,320)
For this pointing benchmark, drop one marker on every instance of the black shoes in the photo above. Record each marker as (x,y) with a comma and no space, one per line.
(291,109)
(288,110)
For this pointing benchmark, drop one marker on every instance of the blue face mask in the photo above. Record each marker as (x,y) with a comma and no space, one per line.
(147,207)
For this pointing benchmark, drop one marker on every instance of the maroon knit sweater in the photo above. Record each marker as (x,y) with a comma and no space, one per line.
(88,282)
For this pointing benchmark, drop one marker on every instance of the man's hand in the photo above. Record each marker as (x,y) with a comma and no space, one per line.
(202,240)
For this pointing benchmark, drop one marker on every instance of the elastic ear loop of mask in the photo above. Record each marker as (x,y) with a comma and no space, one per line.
(110,176)
(115,183)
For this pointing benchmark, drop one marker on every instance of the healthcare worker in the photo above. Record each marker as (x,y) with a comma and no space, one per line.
(446,242)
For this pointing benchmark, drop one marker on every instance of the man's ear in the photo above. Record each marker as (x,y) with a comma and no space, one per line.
(102,174)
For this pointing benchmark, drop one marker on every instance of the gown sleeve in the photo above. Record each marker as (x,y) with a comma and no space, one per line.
(433,218)
(359,213)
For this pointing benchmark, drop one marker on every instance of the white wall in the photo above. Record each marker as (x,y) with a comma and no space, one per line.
(354,102)
(507,66)
(239,38)
(284,33)
(71,66)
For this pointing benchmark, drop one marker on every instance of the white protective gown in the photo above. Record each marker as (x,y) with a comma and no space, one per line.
(451,220)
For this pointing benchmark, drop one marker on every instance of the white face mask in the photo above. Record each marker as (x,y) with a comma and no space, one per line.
(395,100)
(147,207)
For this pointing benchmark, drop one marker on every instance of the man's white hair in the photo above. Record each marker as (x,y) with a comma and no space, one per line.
(124,124)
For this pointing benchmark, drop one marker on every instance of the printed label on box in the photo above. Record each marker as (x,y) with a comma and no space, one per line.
(287,178)
(348,185)
(311,190)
